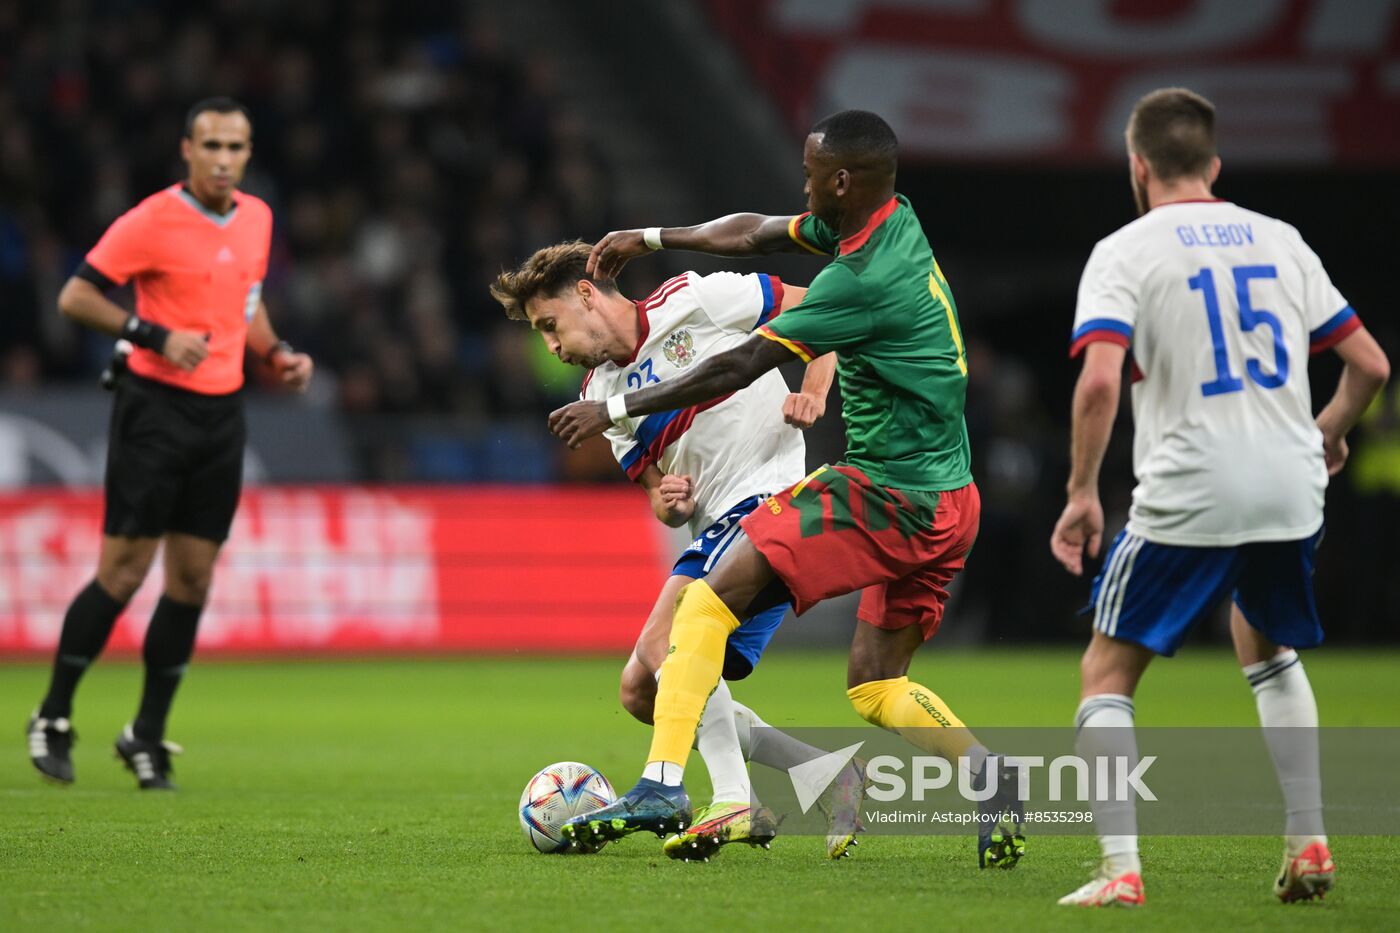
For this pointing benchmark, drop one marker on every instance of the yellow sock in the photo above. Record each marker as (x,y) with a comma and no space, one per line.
(692,668)
(916,713)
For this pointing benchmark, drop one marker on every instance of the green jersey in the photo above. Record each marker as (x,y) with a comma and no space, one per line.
(885,308)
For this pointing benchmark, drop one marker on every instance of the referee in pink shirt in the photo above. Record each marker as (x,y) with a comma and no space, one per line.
(197,254)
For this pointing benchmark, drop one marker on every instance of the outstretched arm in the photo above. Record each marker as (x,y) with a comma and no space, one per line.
(716,376)
(1091,425)
(1365,373)
(731,235)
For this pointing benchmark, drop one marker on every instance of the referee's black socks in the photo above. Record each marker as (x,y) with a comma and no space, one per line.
(86,628)
(167,652)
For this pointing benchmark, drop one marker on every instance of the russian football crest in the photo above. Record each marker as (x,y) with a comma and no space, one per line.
(679,348)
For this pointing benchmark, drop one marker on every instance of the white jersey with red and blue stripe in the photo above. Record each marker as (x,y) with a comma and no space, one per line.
(733,447)
(1220,307)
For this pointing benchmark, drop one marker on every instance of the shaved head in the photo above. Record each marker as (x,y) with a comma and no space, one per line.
(859,141)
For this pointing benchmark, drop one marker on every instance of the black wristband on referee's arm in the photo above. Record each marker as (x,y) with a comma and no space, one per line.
(280,346)
(145,334)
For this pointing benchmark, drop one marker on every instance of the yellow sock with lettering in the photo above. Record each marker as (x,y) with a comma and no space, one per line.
(692,668)
(919,715)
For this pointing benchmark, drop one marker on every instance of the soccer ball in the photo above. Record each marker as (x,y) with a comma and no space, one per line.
(555,794)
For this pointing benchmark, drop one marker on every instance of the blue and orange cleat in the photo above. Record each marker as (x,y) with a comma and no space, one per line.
(649,807)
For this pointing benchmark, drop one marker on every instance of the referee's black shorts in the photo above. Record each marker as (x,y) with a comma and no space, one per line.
(174,461)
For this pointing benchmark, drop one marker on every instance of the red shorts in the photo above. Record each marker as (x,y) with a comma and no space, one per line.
(837,532)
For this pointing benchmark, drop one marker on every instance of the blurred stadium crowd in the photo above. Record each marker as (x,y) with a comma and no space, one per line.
(406,156)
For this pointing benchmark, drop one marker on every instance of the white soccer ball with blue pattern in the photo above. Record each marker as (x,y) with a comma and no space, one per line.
(555,794)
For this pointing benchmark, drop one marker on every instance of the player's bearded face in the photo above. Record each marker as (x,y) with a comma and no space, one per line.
(570,331)
(1139,186)
(585,347)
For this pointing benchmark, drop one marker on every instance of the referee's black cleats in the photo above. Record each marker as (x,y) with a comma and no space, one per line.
(149,761)
(51,748)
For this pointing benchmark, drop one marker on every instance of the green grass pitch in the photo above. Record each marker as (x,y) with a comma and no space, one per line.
(364,795)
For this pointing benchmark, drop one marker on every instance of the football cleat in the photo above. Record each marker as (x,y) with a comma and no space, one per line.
(1123,890)
(1001,839)
(149,761)
(841,805)
(650,806)
(718,825)
(50,748)
(1307,875)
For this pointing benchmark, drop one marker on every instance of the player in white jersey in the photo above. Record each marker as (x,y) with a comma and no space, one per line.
(1219,308)
(707,466)
(733,448)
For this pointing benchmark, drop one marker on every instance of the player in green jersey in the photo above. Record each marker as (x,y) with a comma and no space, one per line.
(896,518)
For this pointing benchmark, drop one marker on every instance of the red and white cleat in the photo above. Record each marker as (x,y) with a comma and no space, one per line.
(1123,890)
(1307,875)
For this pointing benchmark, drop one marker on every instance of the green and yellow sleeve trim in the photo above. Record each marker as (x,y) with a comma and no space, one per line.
(795,233)
(802,351)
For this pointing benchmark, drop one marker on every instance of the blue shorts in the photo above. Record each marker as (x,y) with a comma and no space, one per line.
(1152,594)
(747,642)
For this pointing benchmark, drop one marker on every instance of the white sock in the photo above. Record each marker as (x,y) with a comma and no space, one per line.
(977,756)
(1288,713)
(664,772)
(768,746)
(1103,726)
(717,739)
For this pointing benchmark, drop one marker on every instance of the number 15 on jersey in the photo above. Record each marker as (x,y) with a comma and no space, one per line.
(1250,317)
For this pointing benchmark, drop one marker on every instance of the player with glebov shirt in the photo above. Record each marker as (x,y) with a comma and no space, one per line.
(895,519)
(1219,308)
(706,466)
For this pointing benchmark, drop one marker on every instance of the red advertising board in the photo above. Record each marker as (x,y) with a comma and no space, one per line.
(1294,80)
(368,569)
